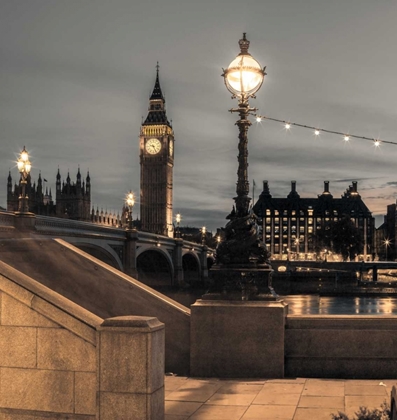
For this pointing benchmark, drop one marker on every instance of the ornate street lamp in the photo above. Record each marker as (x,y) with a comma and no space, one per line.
(243,78)
(24,167)
(241,258)
(130,201)
(178,221)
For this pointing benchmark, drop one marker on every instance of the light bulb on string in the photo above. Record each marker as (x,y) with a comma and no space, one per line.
(377,143)
(316,132)
(287,126)
(346,138)
(258,119)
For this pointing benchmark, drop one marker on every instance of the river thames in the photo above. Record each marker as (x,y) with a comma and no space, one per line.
(312,304)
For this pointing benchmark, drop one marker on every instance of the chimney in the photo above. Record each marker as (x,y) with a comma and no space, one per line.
(326,187)
(293,186)
(355,186)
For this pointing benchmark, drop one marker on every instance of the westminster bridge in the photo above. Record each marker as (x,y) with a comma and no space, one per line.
(155,260)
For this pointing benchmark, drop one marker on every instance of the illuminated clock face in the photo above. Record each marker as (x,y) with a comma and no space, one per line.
(153,146)
(171,145)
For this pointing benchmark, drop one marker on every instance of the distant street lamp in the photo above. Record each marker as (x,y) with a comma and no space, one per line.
(178,221)
(203,231)
(130,201)
(24,167)
(387,244)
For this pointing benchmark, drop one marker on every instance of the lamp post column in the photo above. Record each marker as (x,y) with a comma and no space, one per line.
(242,200)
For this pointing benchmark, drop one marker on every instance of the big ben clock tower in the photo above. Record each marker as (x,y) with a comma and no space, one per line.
(157,162)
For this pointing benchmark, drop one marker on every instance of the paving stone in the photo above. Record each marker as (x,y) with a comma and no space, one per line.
(352,389)
(239,388)
(277,399)
(218,412)
(282,388)
(231,399)
(269,412)
(315,413)
(181,408)
(323,402)
(197,394)
(324,388)
(354,402)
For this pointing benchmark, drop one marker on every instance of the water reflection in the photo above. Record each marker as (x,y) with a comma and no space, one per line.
(340,305)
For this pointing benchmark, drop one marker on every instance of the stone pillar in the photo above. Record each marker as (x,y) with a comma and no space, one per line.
(25,221)
(203,262)
(237,339)
(131,368)
(178,275)
(130,267)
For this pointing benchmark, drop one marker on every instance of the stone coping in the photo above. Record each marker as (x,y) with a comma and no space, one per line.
(135,282)
(43,292)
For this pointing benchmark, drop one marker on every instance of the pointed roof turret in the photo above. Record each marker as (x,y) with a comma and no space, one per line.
(157,93)
(9,179)
(157,114)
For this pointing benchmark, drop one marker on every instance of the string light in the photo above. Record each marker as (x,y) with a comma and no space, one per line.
(317,131)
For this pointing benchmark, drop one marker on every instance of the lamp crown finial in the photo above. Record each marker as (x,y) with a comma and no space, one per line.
(244,44)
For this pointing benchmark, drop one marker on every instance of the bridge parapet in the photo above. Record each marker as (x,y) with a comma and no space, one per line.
(46,224)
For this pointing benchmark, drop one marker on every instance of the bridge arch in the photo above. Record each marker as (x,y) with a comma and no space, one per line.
(155,267)
(191,268)
(105,254)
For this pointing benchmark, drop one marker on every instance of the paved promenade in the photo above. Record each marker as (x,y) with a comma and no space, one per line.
(287,399)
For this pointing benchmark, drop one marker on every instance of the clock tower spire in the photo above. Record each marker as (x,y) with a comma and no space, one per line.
(157,162)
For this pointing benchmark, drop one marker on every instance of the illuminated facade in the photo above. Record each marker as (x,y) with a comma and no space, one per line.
(157,162)
(289,224)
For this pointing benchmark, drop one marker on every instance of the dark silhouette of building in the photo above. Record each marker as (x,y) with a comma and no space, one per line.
(386,235)
(73,200)
(289,224)
(157,162)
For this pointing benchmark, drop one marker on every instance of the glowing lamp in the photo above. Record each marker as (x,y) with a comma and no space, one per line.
(244,76)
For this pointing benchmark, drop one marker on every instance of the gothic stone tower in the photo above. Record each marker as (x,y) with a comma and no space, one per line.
(157,162)
(73,200)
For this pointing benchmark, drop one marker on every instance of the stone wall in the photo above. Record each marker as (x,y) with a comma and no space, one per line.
(340,346)
(58,360)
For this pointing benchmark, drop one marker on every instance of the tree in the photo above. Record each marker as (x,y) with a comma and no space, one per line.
(342,237)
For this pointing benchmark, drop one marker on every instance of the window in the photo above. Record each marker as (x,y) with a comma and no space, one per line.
(267,212)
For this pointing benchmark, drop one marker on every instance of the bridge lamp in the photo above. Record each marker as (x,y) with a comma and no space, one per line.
(178,221)
(24,167)
(130,201)
(203,231)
